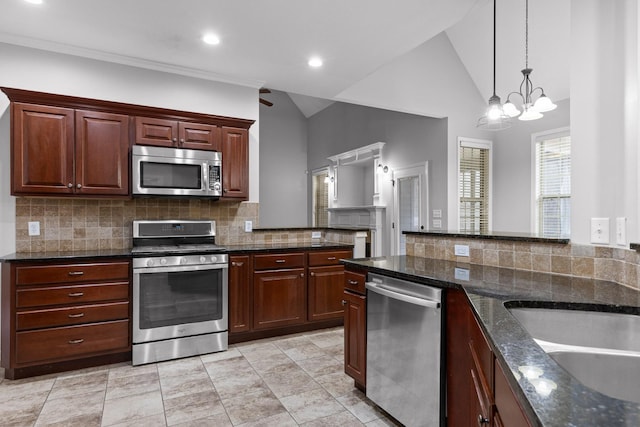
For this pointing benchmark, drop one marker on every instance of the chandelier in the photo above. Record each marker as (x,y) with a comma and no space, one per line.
(532,110)
(494,118)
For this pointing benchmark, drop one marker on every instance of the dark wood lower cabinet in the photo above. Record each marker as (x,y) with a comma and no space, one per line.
(355,337)
(478,393)
(326,285)
(279,298)
(240,293)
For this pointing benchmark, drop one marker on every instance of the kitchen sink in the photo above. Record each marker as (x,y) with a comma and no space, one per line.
(599,349)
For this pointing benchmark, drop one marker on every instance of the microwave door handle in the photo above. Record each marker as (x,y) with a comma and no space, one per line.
(205,177)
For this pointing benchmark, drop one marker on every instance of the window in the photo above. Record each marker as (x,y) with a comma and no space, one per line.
(474,171)
(320,198)
(552,216)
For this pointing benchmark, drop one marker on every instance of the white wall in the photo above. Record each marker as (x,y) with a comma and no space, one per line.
(283,163)
(604,115)
(512,169)
(43,71)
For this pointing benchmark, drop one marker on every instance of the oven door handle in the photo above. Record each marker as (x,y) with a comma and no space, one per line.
(179,268)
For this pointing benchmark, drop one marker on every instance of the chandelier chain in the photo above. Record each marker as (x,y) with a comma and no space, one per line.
(526,34)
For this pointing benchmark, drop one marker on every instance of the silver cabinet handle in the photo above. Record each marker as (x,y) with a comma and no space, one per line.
(181,141)
(301,274)
(75,316)
(344,302)
(70,185)
(482,420)
(331,258)
(352,282)
(78,341)
(312,274)
(76,294)
(174,139)
(237,264)
(76,273)
(79,185)
(281,261)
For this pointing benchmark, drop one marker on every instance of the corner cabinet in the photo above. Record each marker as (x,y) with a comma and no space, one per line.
(62,316)
(64,152)
(477,389)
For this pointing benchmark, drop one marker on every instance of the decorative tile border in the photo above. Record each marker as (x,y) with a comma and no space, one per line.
(604,263)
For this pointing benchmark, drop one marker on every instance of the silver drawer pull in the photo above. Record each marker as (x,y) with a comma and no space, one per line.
(76,273)
(73,316)
(237,264)
(280,261)
(76,294)
(78,341)
(331,258)
(352,282)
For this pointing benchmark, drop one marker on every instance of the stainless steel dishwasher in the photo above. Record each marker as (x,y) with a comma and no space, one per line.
(404,351)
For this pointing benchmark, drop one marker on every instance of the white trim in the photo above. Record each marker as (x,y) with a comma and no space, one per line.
(314,173)
(421,170)
(474,143)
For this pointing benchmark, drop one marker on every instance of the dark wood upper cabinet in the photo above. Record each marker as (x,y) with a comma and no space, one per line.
(199,136)
(102,153)
(42,150)
(235,163)
(173,133)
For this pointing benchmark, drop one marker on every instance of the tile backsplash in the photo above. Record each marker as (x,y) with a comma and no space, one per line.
(89,224)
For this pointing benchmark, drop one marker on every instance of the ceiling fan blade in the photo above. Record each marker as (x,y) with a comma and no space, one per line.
(265,90)
(265,102)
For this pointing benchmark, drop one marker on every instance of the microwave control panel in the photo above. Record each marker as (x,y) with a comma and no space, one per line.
(215,180)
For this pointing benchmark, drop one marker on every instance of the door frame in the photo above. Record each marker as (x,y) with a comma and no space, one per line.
(420,170)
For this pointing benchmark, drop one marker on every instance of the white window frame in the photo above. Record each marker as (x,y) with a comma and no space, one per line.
(475,143)
(314,173)
(535,138)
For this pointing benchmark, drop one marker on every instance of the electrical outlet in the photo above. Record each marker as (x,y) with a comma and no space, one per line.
(437,223)
(461,250)
(600,231)
(316,234)
(34,228)
(437,213)
(248,226)
(621,231)
(461,273)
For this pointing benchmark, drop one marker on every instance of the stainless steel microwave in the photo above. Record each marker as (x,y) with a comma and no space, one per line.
(160,171)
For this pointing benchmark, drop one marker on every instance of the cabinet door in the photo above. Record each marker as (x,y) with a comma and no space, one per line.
(326,286)
(239,294)
(42,150)
(235,163)
(279,298)
(355,337)
(102,153)
(458,363)
(199,136)
(158,132)
(511,413)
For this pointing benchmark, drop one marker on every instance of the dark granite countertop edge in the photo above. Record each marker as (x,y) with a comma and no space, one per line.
(282,229)
(634,246)
(514,347)
(126,253)
(492,236)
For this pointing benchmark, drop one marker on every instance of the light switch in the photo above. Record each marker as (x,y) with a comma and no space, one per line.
(248,226)
(621,231)
(600,231)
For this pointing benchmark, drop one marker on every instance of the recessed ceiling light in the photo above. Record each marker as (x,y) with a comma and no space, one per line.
(34,1)
(211,39)
(315,62)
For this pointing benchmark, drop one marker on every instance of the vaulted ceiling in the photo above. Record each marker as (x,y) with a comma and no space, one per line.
(268,42)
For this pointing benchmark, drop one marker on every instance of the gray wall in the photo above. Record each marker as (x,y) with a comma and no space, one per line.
(410,139)
(512,169)
(283,163)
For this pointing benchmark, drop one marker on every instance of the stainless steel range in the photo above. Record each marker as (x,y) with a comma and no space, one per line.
(180,290)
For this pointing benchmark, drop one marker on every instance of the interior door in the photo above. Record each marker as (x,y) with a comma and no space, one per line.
(410,203)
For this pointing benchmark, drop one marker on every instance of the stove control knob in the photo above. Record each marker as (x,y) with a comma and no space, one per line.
(203,259)
(163,261)
(183,260)
(214,258)
(150,263)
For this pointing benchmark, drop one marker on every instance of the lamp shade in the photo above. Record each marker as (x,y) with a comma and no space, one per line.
(544,104)
(510,109)
(530,114)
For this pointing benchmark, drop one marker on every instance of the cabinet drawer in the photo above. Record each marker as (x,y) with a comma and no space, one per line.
(70,273)
(327,258)
(355,281)
(269,262)
(71,341)
(73,294)
(76,315)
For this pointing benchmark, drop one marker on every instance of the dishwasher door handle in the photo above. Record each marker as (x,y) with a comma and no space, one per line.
(380,289)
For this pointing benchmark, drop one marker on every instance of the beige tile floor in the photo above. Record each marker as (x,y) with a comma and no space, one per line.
(287,381)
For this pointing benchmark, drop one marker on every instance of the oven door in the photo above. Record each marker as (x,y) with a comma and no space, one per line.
(179,301)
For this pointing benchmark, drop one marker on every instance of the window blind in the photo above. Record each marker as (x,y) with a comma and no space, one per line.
(321,199)
(473,185)
(553,186)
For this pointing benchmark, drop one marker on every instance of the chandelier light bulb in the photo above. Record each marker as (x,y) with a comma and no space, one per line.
(544,104)
(494,112)
(510,109)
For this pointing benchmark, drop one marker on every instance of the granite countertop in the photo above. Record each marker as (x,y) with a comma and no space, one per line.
(495,235)
(488,288)
(124,253)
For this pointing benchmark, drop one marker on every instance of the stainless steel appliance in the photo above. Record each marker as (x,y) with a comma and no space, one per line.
(404,350)
(180,290)
(159,171)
